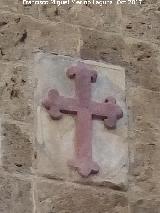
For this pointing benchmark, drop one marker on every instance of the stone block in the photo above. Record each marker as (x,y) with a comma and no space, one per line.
(59,38)
(146,206)
(30,9)
(22,35)
(105,18)
(142,21)
(144,140)
(16,101)
(15,195)
(107,47)
(145,114)
(12,37)
(16,147)
(66,197)
(8,5)
(55,139)
(140,59)
(142,63)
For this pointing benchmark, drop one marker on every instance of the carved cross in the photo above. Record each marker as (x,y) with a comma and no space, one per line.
(85,110)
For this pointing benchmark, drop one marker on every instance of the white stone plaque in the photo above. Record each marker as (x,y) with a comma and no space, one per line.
(55,138)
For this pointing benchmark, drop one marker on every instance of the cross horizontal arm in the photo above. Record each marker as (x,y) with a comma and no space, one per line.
(100,110)
(106,110)
(68,105)
(56,104)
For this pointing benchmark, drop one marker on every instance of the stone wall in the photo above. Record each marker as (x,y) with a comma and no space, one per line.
(125,35)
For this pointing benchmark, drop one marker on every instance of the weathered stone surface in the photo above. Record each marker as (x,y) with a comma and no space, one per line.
(102,46)
(13,36)
(17,6)
(105,18)
(16,147)
(8,5)
(144,141)
(140,59)
(16,195)
(142,63)
(16,91)
(142,21)
(31,10)
(57,37)
(146,206)
(66,197)
(22,35)
(55,139)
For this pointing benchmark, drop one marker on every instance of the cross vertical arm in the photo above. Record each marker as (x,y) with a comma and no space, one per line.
(83,145)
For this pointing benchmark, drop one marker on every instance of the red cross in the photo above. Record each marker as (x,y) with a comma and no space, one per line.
(85,110)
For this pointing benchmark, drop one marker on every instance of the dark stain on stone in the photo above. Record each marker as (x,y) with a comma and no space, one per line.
(23,81)
(139,46)
(2,52)
(129,26)
(143,57)
(17,20)
(56,12)
(13,79)
(24,36)
(3,23)
(14,93)
(35,155)
(18,165)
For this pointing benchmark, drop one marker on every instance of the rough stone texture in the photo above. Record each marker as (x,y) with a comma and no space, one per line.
(55,139)
(8,5)
(140,59)
(16,144)
(91,16)
(31,10)
(146,206)
(145,19)
(144,107)
(16,91)
(21,35)
(142,64)
(16,195)
(66,197)
(122,35)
